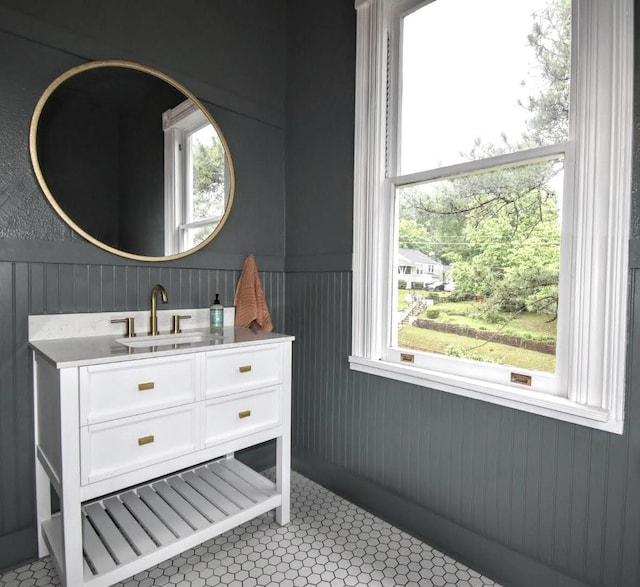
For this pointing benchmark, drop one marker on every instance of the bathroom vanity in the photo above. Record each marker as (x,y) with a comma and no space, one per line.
(137,437)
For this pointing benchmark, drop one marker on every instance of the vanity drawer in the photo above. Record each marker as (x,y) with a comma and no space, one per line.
(226,418)
(112,448)
(135,387)
(235,371)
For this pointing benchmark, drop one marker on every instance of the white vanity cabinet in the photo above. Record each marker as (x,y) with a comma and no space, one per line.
(139,447)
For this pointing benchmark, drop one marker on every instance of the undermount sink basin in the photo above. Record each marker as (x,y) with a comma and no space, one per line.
(165,339)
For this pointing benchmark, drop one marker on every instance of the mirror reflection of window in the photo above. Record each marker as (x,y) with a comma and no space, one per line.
(196,178)
(118,177)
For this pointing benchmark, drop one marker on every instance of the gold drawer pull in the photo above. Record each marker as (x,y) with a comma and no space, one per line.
(245,369)
(244,414)
(144,386)
(145,440)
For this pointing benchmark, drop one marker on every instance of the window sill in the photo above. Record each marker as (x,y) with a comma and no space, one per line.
(502,395)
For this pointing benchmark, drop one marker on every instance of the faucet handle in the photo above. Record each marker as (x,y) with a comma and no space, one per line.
(129,329)
(175,323)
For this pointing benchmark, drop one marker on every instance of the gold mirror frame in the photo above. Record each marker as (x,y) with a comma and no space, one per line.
(33,149)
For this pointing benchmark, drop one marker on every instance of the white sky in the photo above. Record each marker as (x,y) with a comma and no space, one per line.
(462,77)
(205,135)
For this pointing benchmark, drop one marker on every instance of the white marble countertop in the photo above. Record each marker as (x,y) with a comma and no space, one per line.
(93,350)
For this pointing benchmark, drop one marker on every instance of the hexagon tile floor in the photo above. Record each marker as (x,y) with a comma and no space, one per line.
(329,543)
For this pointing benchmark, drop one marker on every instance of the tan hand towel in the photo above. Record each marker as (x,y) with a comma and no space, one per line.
(251,306)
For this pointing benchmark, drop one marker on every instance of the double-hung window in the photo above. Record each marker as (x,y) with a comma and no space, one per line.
(197,178)
(493,137)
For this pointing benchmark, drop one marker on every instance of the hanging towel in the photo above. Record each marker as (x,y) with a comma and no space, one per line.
(250,303)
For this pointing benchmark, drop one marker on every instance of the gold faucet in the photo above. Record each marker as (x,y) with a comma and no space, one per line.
(153,320)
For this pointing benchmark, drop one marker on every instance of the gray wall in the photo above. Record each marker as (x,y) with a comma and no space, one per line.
(232,56)
(529,500)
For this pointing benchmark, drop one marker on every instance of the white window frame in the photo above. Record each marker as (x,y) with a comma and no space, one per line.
(594,267)
(178,124)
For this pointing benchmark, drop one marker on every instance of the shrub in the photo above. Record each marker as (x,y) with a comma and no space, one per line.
(432,313)
(459,296)
(493,316)
(402,284)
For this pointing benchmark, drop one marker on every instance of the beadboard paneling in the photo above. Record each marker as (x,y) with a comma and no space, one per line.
(564,496)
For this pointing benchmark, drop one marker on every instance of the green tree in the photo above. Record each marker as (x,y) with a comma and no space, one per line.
(550,39)
(412,235)
(511,253)
(209,190)
(443,230)
(208,179)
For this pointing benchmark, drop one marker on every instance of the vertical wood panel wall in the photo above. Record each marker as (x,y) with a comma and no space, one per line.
(563,495)
(38,288)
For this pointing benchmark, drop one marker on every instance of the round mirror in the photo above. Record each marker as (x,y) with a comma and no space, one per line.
(131,160)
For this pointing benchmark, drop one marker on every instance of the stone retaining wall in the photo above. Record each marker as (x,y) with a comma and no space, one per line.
(548,348)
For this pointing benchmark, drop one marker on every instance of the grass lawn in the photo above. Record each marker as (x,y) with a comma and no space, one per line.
(439,342)
(472,314)
(524,324)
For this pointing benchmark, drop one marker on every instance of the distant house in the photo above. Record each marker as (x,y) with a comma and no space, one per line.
(416,267)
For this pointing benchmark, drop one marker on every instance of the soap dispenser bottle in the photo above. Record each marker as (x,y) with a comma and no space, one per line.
(216,316)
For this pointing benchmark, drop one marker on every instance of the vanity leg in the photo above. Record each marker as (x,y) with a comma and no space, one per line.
(283,479)
(43,485)
(43,505)
(70,503)
(72,543)
(283,443)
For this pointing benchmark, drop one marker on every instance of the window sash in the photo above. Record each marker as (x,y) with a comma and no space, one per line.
(553,384)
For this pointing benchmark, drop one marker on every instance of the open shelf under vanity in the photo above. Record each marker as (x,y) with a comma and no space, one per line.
(125,533)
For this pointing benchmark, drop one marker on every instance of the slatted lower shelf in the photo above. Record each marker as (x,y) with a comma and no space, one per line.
(138,528)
